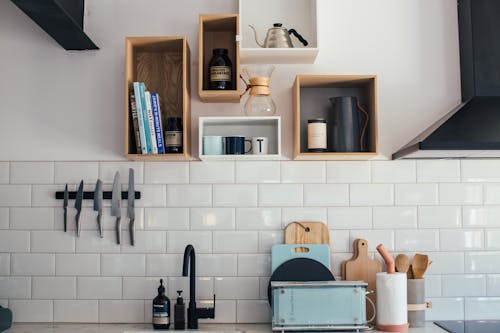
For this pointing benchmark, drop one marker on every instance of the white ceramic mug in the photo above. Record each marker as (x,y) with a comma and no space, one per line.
(260,145)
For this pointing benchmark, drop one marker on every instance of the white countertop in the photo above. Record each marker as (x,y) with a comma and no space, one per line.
(138,328)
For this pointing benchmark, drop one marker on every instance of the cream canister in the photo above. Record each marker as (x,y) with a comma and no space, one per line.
(392,315)
(316,135)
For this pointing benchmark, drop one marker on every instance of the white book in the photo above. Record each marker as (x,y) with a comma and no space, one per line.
(149,109)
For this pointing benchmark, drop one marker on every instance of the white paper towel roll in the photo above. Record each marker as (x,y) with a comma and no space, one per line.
(391,299)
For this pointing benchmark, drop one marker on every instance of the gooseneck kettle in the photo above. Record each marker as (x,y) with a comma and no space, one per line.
(278,36)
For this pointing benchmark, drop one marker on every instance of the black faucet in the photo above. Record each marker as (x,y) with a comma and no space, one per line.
(193,312)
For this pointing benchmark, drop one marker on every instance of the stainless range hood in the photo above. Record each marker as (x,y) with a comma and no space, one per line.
(472,129)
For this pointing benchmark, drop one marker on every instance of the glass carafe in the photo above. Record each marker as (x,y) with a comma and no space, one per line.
(259,102)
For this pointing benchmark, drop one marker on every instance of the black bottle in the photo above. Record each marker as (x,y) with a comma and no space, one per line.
(173,135)
(179,313)
(161,309)
(220,71)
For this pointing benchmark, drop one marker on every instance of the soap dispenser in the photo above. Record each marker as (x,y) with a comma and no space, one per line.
(161,309)
(179,313)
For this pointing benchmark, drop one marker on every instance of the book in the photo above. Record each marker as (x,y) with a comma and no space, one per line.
(140,121)
(145,120)
(154,147)
(155,103)
(135,123)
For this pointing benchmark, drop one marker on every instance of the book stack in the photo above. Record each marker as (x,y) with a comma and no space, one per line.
(146,120)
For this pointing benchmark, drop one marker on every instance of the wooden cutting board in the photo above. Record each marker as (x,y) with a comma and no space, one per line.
(363,268)
(354,256)
(307,233)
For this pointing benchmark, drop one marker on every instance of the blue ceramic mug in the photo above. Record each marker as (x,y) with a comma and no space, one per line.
(235,145)
(213,145)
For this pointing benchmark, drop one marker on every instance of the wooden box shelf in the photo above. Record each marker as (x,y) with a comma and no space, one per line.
(218,31)
(311,95)
(163,64)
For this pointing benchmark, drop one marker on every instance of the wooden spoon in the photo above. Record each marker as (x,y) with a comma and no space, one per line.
(420,265)
(409,273)
(402,263)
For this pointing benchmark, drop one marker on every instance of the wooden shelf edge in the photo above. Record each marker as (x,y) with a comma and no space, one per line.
(335,156)
(217,96)
(158,157)
(248,157)
(278,55)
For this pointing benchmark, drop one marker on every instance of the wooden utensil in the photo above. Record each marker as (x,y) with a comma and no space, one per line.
(389,260)
(420,265)
(402,263)
(354,256)
(409,273)
(307,233)
(363,268)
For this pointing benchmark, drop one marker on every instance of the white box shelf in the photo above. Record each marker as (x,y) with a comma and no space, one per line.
(249,127)
(300,15)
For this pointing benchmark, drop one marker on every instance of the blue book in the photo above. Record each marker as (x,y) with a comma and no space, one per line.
(140,120)
(155,103)
(145,121)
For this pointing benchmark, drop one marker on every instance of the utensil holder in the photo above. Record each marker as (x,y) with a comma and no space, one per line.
(392,314)
(416,302)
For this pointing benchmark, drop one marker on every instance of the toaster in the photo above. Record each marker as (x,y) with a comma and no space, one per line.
(319,306)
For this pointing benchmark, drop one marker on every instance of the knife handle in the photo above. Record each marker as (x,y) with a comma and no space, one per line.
(118,230)
(77,218)
(99,225)
(131,229)
(65,219)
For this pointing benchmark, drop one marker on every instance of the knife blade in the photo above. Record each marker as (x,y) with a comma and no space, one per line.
(116,197)
(131,206)
(78,206)
(98,205)
(65,207)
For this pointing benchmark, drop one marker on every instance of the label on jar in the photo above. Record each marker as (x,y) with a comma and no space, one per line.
(220,73)
(316,138)
(173,139)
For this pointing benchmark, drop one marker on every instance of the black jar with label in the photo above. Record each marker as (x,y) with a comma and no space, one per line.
(220,71)
(173,135)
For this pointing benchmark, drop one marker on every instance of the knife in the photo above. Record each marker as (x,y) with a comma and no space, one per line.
(116,197)
(130,206)
(78,206)
(98,205)
(65,207)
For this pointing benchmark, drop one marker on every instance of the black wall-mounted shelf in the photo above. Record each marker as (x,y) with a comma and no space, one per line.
(87,195)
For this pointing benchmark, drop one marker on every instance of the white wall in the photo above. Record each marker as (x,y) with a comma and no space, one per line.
(59,105)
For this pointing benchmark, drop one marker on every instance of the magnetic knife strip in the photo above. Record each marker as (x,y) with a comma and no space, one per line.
(89,195)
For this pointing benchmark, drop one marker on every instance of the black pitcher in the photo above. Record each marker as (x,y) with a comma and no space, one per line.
(348,122)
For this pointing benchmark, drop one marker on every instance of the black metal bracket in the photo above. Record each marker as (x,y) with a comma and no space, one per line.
(87,195)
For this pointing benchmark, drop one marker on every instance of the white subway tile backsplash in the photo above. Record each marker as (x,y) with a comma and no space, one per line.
(90,242)
(480,170)
(371,194)
(438,171)
(4,218)
(254,265)
(31,311)
(394,217)
(123,264)
(258,218)
(33,264)
(493,239)
(216,265)
(249,311)
(107,171)
(76,311)
(482,262)
(373,237)
(493,285)
(166,173)
(212,218)
(99,287)
(455,193)
(78,264)
(237,287)
(15,196)
(276,195)
(416,194)
(32,218)
(235,241)
(348,172)
(151,196)
(250,172)
(440,217)
(31,172)
(433,286)
(15,287)
(226,312)
(417,240)
(303,172)
(446,263)
(460,240)
(235,195)
(4,172)
(74,172)
(393,172)
(5,263)
(446,309)
(492,194)
(336,260)
(268,238)
(177,241)
(326,195)
(481,216)
(166,218)
(164,265)
(221,172)
(144,242)
(204,288)
(121,311)
(350,217)
(340,240)
(49,241)
(53,287)
(14,241)
(294,214)
(45,196)
(189,195)
(464,285)
(482,308)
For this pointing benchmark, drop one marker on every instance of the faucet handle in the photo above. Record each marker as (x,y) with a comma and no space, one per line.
(206,312)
